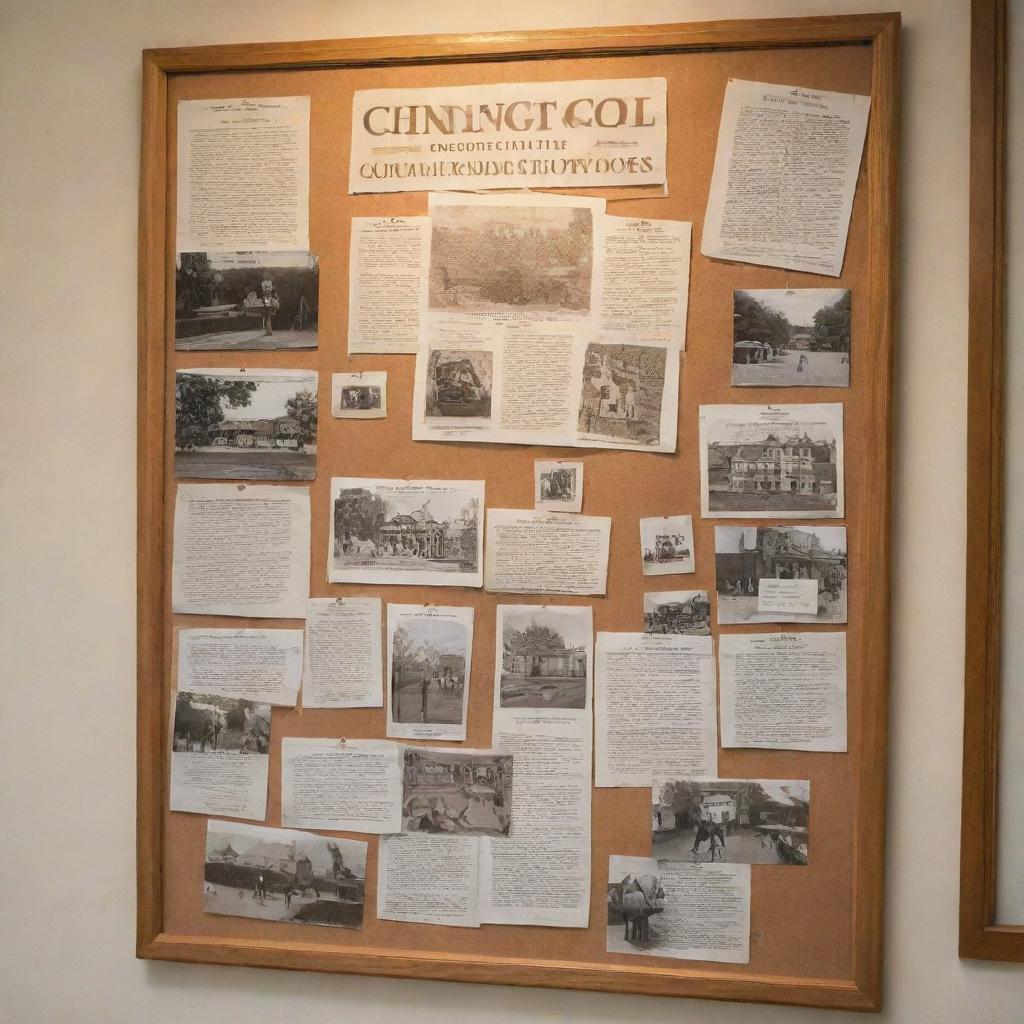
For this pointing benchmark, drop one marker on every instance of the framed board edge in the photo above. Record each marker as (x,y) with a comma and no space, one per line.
(980,936)
(862,991)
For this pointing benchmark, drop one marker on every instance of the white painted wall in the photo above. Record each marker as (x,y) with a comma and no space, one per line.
(69,141)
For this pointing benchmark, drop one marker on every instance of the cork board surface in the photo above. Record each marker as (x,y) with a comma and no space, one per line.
(802,919)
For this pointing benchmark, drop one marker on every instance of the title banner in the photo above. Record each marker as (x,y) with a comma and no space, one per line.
(542,134)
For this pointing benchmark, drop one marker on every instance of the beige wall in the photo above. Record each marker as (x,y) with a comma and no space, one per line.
(69,113)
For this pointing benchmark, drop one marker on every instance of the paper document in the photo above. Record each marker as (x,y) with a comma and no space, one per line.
(344,654)
(241,550)
(557,486)
(786,169)
(243,174)
(359,396)
(546,552)
(783,691)
(797,596)
(258,664)
(654,706)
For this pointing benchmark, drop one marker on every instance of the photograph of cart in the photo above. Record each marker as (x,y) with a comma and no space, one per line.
(459,383)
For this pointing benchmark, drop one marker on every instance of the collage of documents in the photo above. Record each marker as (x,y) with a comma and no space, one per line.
(529,318)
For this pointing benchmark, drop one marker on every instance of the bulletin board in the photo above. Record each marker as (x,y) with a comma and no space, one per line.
(815,933)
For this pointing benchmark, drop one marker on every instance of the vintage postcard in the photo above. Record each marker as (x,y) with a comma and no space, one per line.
(544,657)
(771,461)
(459,792)
(666,545)
(678,611)
(742,821)
(359,396)
(419,532)
(245,300)
(557,486)
(786,337)
(279,874)
(685,911)
(245,424)
(430,651)
(763,573)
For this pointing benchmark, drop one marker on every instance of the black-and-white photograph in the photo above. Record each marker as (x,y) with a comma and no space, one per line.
(430,650)
(245,300)
(666,545)
(678,611)
(245,424)
(738,821)
(360,398)
(207,723)
(622,392)
(747,556)
(280,874)
(406,531)
(791,337)
(635,899)
(459,383)
(487,258)
(359,395)
(557,486)
(545,656)
(457,792)
(771,461)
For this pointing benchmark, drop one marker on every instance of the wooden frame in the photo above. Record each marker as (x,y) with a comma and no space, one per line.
(980,936)
(861,990)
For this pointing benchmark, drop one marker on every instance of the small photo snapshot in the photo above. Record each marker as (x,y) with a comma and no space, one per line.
(557,486)
(245,300)
(459,384)
(280,874)
(678,611)
(458,792)
(359,396)
(791,337)
(666,544)
(780,574)
(738,821)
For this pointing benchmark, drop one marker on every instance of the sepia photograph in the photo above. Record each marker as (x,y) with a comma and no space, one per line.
(557,486)
(465,793)
(245,300)
(738,821)
(545,656)
(666,545)
(430,650)
(511,256)
(791,337)
(245,424)
(747,557)
(359,395)
(280,874)
(621,394)
(459,383)
(771,461)
(207,723)
(678,611)
(426,532)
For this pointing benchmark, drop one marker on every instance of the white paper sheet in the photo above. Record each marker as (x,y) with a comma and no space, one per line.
(654,706)
(341,785)
(666,545)
(258,664)
(546,552)
(799,597)
(344,663)
(243,174)
(241,549)
(785,173)
(387,290)
(783,691)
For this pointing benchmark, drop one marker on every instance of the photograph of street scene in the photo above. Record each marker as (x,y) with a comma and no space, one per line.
(678,611)
(430,658)
(545,656)
(746,555)
(621,393)
(245,425)
(283,875)
(740,821)
(791,337)
(205,723)
(516,258)
(245,300)
(456,792)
